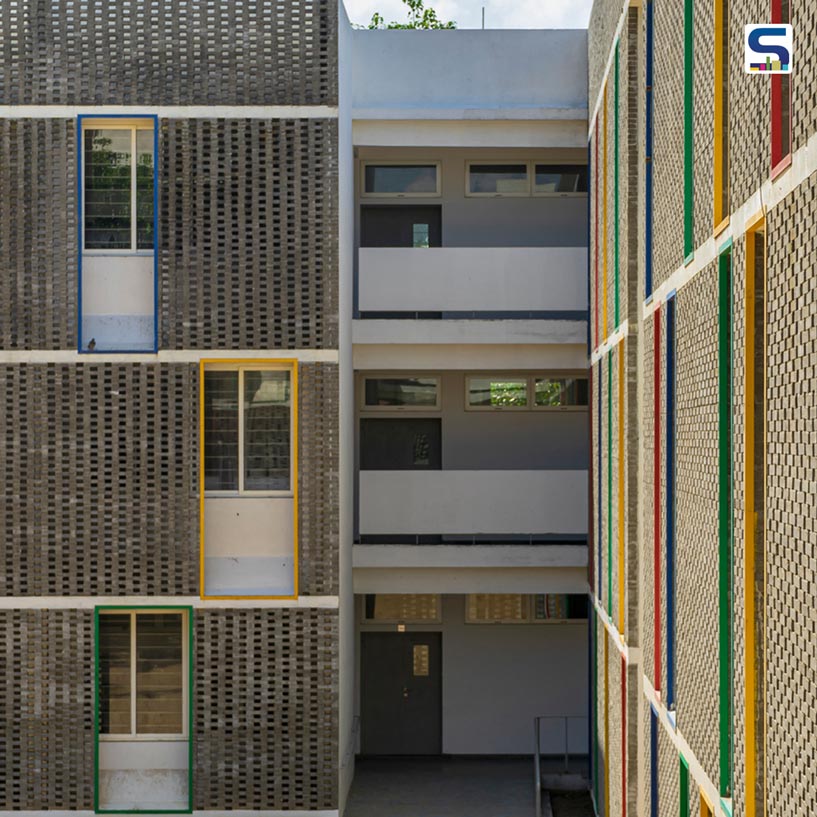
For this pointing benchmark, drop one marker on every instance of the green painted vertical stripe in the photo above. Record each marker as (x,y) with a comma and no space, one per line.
(725,517)
(616,319)
(610,486)
(683,786)
(689,218)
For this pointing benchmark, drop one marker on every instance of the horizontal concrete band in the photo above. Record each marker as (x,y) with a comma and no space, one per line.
(632,655)
(90,602)
(167,355)
(232,813)
(171,111)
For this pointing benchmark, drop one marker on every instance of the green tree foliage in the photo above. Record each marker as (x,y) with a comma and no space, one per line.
(418,17)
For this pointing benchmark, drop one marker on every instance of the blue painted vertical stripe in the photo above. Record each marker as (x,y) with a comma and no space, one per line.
(81,346)
(600,537)
(670,480)
(155,233)
(648,150)
(653,763)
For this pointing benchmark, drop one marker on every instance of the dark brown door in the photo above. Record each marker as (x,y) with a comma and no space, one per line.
(401,694)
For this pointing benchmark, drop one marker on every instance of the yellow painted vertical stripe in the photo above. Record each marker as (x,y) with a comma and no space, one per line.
(201,478)
(621,584)
(604,222)
(606,728)
(749,523)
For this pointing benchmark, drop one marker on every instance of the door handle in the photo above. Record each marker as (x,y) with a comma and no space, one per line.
(406,691)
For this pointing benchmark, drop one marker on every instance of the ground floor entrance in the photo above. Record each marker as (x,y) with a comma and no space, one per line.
(401,693)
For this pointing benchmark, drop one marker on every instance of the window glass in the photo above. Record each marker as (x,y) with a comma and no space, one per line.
(221,431)
(559,607)
(498,179)
(500,607)
(560,391)
(421,235)
(486,392)
(401,179)
(107,166)
(159,670)
(402,607)
(406,391)
(266,431)
(144,189)
(157,665)
(560,179)
(114,675)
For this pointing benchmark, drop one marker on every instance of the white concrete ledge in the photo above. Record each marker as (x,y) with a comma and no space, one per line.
(469,556)
(220,812)
(89,602)
(504,331)
(171,112)
(167,356)
(462,355)
(519,113)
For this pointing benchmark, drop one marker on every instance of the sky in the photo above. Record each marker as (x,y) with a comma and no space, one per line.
(498,13)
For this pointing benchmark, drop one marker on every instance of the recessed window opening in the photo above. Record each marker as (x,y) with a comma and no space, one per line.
(247,430)
(142,671)
(523,393)
(401,393)
(401,179)
(118,169)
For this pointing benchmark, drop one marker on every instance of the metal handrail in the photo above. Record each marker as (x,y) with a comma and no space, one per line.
(537,766)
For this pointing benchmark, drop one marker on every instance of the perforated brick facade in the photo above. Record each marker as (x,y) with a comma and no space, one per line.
(174,53)
(713,663)
(100,476)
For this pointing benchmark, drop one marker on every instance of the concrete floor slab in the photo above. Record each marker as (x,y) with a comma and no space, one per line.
(442,787)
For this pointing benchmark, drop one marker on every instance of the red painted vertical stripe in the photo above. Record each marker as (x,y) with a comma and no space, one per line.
(596,242)
(590,526)
(777,119)
(623,737)
(777,100)
(657,497)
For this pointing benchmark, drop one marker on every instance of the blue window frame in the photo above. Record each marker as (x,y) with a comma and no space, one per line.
(117,208)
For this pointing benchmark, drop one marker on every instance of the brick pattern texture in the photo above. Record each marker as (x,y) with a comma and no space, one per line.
(791,532)
(265,739)
(697,517)
(38,233)
(47,710)
(604,19)
(282,52)
(248,234)
(99,482)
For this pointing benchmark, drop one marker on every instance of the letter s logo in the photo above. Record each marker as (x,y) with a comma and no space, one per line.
(768,49)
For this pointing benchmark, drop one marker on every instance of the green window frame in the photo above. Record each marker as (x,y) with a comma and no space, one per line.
(187,623)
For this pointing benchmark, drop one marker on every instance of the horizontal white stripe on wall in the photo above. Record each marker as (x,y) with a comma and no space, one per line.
(90,602)
(232,813)
(168,356)
(172,111)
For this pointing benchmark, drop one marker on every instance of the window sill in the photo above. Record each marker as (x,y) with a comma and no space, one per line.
(142,738)
(781,167)
(249,494)
(719,228)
